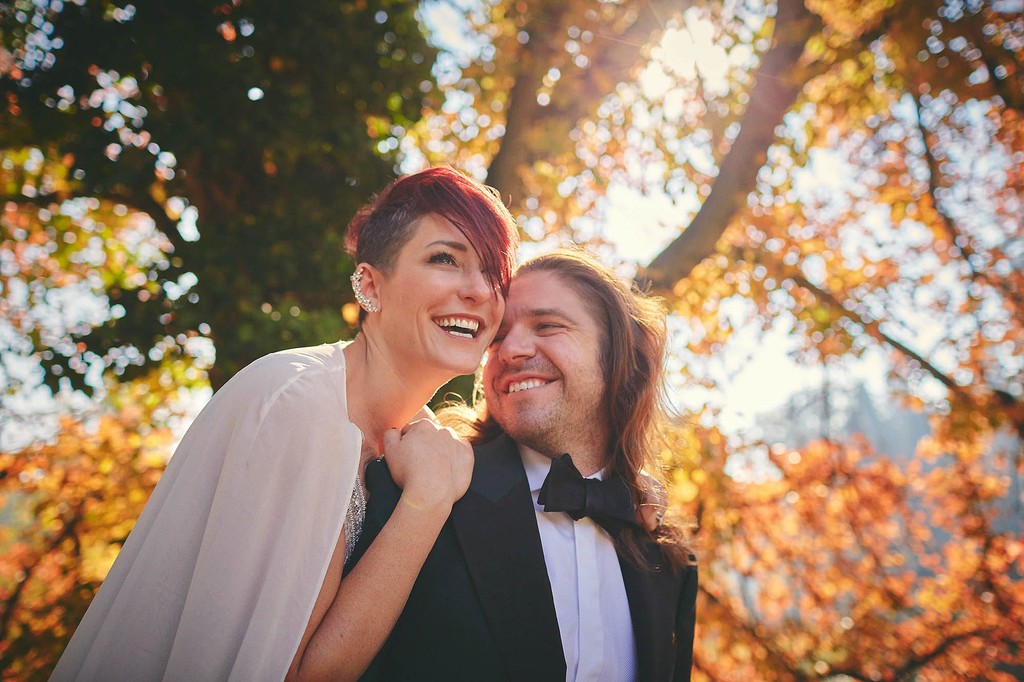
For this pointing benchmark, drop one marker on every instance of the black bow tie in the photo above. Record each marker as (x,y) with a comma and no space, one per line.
(607,502)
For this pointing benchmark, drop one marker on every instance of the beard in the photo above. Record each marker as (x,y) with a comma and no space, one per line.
(553,430)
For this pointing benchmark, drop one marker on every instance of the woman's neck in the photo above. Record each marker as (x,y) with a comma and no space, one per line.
(381,393)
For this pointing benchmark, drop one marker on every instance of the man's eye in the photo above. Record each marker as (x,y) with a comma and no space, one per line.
(549,326)
(497,340)
(444,258)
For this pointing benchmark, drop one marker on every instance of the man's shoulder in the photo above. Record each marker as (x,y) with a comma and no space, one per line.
(499,444)
(497,467)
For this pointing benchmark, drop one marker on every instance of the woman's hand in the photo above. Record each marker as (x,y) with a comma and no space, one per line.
(430,463)
(353,616)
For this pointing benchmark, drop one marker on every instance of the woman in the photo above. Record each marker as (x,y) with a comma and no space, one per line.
(233,571)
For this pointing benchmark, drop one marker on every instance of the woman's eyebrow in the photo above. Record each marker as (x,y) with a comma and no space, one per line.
(458,246)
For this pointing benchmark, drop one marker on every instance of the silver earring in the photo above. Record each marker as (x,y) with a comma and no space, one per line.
(357,289)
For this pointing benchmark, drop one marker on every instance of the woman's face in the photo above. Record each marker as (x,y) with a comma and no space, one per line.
(438,309)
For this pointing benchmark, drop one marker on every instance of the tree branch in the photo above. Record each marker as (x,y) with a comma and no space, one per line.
(983,399)
(957,240)
(9,604)
(741,624)
(579,92)
(1010,88)
(915,664)
(777,84)
(873,328)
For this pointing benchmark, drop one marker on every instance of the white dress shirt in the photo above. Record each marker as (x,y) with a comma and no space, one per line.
(586,582)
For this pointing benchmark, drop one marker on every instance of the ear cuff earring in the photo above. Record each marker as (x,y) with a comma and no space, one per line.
(357,289)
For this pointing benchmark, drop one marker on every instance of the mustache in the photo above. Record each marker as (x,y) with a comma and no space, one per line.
(532,365)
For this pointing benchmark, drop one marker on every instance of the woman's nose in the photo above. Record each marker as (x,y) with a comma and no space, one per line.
(476,286)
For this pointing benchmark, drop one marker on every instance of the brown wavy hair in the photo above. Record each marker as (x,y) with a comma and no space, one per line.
(633,362)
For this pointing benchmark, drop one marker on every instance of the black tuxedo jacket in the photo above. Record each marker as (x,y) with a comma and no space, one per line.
(481,608)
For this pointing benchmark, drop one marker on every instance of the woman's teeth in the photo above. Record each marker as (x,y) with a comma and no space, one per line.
(459,326)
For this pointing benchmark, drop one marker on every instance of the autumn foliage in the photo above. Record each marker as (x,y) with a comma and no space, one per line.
(68,507)
(847,564)
(846,173)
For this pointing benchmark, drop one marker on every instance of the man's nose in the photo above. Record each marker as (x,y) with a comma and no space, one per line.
(517,345)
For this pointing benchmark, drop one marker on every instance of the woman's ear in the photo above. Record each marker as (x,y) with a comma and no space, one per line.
(365,287)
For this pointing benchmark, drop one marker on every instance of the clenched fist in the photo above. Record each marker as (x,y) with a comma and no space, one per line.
(430,463)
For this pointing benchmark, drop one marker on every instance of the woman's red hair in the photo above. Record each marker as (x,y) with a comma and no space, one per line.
(381,228)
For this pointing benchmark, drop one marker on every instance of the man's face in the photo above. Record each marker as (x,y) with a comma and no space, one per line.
(543,380)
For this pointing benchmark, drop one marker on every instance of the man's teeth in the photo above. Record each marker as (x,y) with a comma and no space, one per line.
(459,326)
(525,385)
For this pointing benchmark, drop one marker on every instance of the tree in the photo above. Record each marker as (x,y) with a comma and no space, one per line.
(68,507)
(251,123)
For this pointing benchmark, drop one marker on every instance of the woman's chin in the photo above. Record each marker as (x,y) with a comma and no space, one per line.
(459,367)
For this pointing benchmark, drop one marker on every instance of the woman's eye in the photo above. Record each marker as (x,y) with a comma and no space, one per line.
(444,258)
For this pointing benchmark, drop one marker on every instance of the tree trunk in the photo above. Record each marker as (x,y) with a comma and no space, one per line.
(617,49)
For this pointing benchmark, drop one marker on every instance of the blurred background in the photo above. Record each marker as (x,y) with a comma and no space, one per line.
(828,194)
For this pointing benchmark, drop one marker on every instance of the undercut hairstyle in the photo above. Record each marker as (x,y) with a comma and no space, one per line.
(633,347)
(380,229)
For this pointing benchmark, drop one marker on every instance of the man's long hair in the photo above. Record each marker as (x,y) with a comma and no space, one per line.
(632,359)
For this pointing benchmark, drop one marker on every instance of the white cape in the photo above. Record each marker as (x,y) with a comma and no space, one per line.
(218,578)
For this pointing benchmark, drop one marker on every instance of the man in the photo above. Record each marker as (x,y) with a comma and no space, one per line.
(532,577)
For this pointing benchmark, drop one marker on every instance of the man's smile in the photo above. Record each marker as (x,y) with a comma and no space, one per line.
(526,385)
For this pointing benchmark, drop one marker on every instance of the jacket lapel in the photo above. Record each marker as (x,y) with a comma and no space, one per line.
(652,592)
(497,529)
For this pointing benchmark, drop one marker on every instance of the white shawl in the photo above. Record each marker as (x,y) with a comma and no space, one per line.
(218,578)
